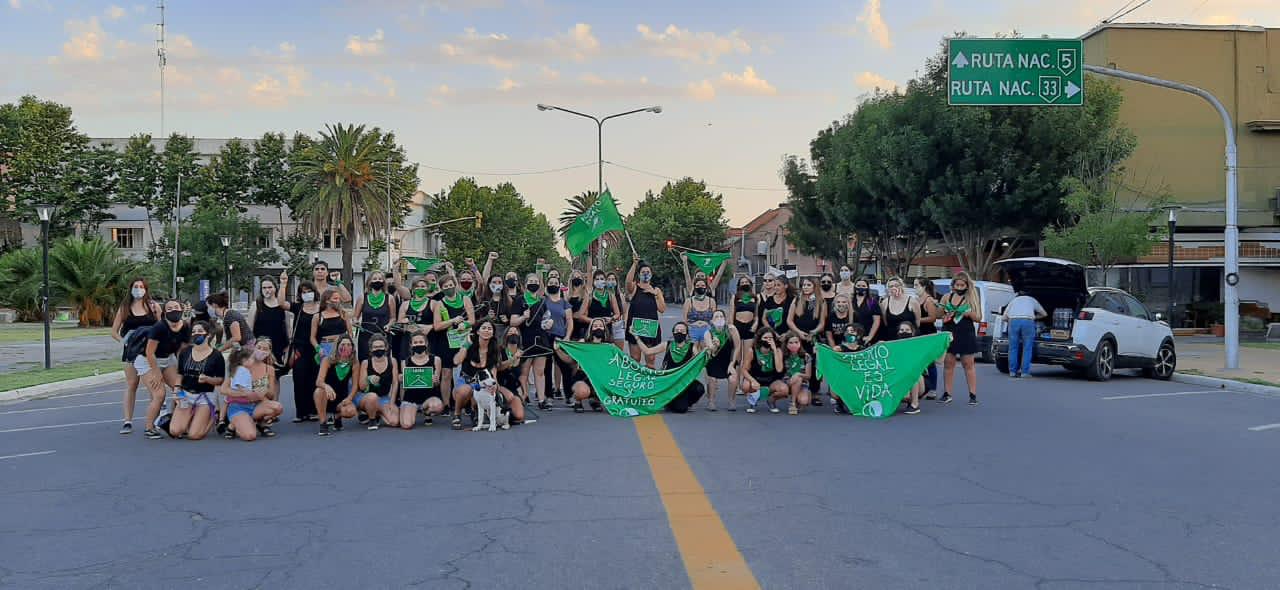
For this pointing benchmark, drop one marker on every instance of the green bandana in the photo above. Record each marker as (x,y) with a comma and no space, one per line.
(420,293)
(376,300)
(468,293)
(601,296)
(455,301)
(765,361)
(795,365)
(748,299)
(721,336)
(679,352)
(530,299)
(342,370)
(417,305)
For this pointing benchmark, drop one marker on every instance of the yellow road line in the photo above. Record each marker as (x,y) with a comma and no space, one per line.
(710,556)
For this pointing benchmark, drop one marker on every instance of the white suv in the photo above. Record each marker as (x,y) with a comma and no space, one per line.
(1090,330)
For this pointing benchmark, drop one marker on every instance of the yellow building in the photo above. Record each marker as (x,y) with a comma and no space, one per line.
(1180,151)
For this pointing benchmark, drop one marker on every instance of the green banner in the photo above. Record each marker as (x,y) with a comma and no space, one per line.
(708,263)
(644,328)
(628,388)
(458,336)
(419,377)
(874,381)
(602,217)
(424,264)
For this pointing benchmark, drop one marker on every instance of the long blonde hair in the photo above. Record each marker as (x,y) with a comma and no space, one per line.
(971,296)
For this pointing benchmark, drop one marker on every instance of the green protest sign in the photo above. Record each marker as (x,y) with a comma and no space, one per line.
(872,382)
(419,377)
(627,388)
(458,336)
(708,263)
(644,328)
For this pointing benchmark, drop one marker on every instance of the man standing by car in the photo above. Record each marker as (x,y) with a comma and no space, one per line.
(1021,314)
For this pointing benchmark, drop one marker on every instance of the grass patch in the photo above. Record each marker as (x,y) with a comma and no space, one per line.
(1250,380)
(29,377)
(23,333)
(1262,345)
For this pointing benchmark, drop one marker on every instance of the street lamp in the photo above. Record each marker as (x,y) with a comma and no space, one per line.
(599,134)
(46,213)
(226,261)
(1173,226)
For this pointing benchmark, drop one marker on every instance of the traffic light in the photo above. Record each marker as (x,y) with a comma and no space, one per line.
(479,219)
(671,245)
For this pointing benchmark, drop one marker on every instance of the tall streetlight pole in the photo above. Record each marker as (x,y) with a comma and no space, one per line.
(46,213)
(1173,226)
(389,215)
(177,222)
(226,261)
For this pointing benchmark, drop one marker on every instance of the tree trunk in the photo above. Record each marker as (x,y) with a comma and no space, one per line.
(348,248)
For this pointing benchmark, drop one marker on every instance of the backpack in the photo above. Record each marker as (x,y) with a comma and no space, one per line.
(135,344)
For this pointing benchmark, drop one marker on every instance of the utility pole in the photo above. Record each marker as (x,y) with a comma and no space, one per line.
(161,53)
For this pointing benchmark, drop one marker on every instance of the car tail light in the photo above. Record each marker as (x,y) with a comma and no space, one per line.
(982,329)
(1085,315)
(1079,356)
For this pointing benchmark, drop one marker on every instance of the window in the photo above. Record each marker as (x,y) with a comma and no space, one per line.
(1136,309)
(127,238)
(264,240)
(332,240)
(1109,302)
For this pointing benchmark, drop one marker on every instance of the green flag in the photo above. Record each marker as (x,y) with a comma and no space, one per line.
(601,218)
(424,264)
(708,263)
(628,388)
(872,382)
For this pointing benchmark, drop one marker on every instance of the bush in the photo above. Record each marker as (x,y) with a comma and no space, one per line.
(21,279)
(88,274)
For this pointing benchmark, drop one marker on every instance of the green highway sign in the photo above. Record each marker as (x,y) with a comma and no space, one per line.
(1015,72)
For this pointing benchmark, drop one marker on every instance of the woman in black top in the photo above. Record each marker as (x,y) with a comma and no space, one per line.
(599,303)
(839,318)
(578,292)
(647,305)
(597,333)
(867,310)
(483,352)
(375,312)
(807,319)
(202,369)
(416,311)
(453,317)
(303,355)
(676,353)
(827,283)
(329,324)
(929,316)
(966,309)
(156,367)
(269,320)
(722,343)
(379,383)
(774,304)
(137,312)
(335,389)
(419,394)
(899,308)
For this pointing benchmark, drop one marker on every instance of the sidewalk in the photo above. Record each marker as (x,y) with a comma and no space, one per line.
(1201,355)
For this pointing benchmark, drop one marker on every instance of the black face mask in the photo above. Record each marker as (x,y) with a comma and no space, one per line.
(418,349)
(700,291)
(744,288)
(961,292)
(826,286)
(679,337)
(377,285)
(553,289)
(860,291)
(598,334)
(173,317)
(513,341)
(511,283)
(576,282)
(532,287)
(378,353)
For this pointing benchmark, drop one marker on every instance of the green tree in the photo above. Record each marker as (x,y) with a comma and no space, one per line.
(812,228)
(201,255)
(270,173)
(91,186)
(1102,230)
(90,275)
(298,248)
(228,178)
(341,182)
(39,144)
(511,227)
(139,175)
(683,211)
(21,280)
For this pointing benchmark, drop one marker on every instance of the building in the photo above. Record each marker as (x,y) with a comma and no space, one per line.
(762,243)
(1180,152)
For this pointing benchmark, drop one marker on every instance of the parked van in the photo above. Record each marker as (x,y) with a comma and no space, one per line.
(994,297)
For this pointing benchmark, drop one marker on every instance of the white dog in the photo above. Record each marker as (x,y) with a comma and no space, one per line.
(485,392)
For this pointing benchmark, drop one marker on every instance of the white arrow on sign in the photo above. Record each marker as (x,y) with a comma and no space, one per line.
(1072,89)
(960,62)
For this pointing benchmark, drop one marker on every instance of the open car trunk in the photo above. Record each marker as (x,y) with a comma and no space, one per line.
(1059,286)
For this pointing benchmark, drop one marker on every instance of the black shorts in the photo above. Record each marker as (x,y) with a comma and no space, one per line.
(766,379)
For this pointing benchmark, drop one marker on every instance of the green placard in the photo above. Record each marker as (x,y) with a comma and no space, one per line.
(458,337)
(419,377)
(1015,72)
(644,328)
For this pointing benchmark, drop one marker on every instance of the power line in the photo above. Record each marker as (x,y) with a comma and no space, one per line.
(507,173)
(1126,13)
(672,178)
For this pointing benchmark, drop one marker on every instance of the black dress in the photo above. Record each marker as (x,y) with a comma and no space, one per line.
(305,368)
(718,366)
(269,322)
(964,338)
(894,320)
(643,306)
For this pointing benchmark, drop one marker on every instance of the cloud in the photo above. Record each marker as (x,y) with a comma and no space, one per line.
(873,24)
(15,4)
(549,73)
(288,49)
(502,52)
(270,91)
(364,47)
(746,83)
(87,39)
(458,5)
(388,84)
(699,47)
(115,12)
(872,80)
(508,85)
(703,91)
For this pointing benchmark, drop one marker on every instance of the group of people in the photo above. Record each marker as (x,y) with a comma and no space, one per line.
(403,355)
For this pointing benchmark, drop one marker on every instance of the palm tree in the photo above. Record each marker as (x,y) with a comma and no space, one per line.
(90,275)
(578,204)
(340,187)
(20,282)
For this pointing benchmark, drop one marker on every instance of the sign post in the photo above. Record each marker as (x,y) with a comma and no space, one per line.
(1015,72)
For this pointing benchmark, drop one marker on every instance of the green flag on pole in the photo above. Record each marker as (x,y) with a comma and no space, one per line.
(602,217)
(872,382)
(628,388)
(424,264)
(708,263)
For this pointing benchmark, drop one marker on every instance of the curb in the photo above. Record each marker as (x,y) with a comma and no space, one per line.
(1225,384)
(48,389)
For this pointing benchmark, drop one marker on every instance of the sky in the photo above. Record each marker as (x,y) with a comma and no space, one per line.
(742,83)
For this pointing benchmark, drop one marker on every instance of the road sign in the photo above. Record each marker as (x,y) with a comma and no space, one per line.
(1015,72)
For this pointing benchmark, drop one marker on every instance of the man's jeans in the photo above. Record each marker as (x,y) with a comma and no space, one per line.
(1022,339)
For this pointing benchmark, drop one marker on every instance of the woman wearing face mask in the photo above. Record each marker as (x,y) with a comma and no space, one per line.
(560,314)
(867,310)
(899,307)
(713,282)
(235,328)
(647,306)
(698,309)
(467,281)
(762,374)
(929,316)
(416,311)
(330,324)
(846,285)
(601,303)
(336,386)
(840,317)
(534,319)
(678,351)
(375,312)
(156,367)
(960,310)
(827,284)
(776,303)
(248,393)
(303,355)
(379,382)
(454,317)
(203,369)
(496,306)
(722,343)
(908,330)
(745,303)
(578,292)
(483,352)
(619,325)
(419,394)
(807,317)
(137,312)
(597,333)
(798,370)
(269,320)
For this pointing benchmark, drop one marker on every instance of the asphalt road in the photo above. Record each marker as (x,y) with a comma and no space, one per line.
(1051,482)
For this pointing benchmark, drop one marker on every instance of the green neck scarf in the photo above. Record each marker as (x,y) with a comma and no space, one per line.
(455,301)
(530,299)
(342,370)
(765,360)
(468,293)
(601,296)
(417,305)
(376,300)
(680,351)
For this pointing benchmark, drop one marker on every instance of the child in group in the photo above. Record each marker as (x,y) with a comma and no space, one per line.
(248,394)
(798,367)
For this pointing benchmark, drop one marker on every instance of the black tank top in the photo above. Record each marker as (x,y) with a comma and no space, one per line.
(774,314)
(430,362)
(595,309)
(422,316)
(341,387)
(301,336)
(744,304)
(670,362)
(927,328)
(372,319)
(837,325)
(133,322)
(808,320)
(330,327)
(383,388)
(894,320)
(643,305)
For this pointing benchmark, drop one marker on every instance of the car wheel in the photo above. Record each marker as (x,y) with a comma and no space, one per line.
(989,355)
(1165,363)
(1104,362)
(1002,364)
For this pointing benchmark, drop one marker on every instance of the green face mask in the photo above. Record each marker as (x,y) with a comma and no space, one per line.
(420,293)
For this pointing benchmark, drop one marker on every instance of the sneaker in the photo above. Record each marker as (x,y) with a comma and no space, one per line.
(773,408)
(569,401)
(1015,375)
(126,428)
(326,429)
(362,418)
(267,431)
(817,401)
(792,410)
(945,399)
(931,395)
(337,424)
(374,424)
(751,409)
(544,405)
(153,434)
(577,408)
(912,410)
(595,405)
(427,421)
(973,399)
